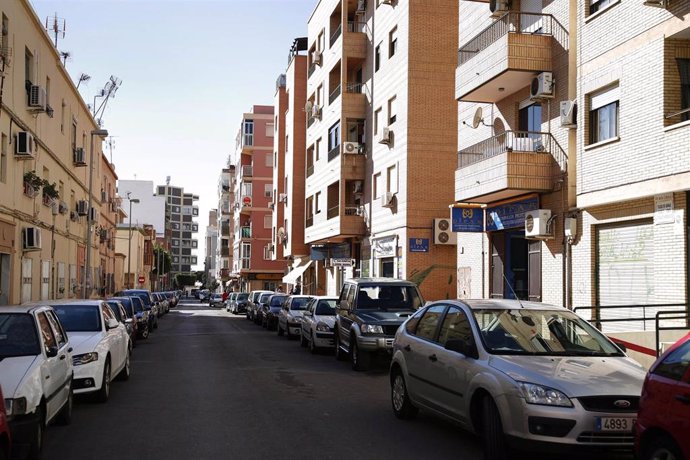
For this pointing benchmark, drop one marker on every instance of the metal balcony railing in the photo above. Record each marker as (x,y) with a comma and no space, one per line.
(310,121)
(336,34)
(351,211)
(311,70)
(309,221)
(334,94)
(247,171)
(513,22)
(334,152)
(353,88)
(356,26)
(310,170)
(509,141)
(246,232)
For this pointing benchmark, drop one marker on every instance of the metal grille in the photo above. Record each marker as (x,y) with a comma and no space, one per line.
(607,403)
(605,438)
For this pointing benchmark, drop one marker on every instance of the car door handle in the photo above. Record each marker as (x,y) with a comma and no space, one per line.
(407,348)
(433,358)
(685,399)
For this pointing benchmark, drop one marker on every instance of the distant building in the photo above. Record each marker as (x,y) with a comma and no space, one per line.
(180,213)
(211,239)
(225,224)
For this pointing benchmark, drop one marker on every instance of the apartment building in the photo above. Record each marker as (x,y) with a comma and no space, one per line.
(180,212)
(253,265)
(211,247)
(225,224)
(107,227)
(50,158)
(289,171)
(381,141)
(132,243)
(633,166)
(514,72)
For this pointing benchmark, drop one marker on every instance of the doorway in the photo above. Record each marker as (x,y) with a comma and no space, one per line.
(4,279)
(515,266)
(388,267)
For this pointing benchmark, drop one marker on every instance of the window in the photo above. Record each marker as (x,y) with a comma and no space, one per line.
(46,332)
(603,115)
(317,203)
(28,66)
(287,144)
(268,192)
(60,335)
(392,110)
(3,159)
(334,136)
(321,41)
(377,58)
(455,326)
(377,185)
(74,134)
(676,364)
(269,129)
(426,329)
(598,5)
(377,118)
(317,149)
(62,117)
(319,95)
(684,71)
(391,179)
(268,221)
(393,42)
(529,118)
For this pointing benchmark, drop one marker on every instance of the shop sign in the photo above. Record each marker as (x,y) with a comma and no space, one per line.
(467,219)
(265,276)
(663,209)
(384,247)
(510,215)
(343,262)
(419,244)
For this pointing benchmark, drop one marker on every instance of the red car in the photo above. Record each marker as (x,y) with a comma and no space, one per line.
(4,431)
(663,423)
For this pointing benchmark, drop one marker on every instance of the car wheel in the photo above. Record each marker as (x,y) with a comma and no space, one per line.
(65,415)
(126,371)
(361,360)
(662,448)
(104,393)
(145,332)
(402,406)
(280,330)
(312,345)
(492,431)
(340,355)
(36,446)
(302,341)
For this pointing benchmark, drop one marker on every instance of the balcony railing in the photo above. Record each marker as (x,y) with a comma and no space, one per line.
(310,170)
(334,152)
(310,121)
(336,34)
(309,222)
(334,94)
(247,171)
(333,212)
(245,264)
(514,22)
(351,211)
(353,88)
(246,232)
(311,70)
(356,26)
(509,141)
(248,140)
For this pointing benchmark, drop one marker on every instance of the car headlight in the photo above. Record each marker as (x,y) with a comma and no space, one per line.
(323,327)
(16,406)
(371,329)
(296,319)
(85,358)
(538,394)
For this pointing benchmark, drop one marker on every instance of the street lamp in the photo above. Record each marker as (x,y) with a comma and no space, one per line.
(129,244)
(102,133)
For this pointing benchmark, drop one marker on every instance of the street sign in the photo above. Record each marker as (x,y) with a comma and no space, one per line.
(247,200)
(141,279)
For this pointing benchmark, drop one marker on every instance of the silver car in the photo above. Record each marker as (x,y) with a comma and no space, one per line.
(290,316)
(524,375)
(317,324)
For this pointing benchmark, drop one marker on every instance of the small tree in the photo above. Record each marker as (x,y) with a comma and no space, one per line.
(183,280)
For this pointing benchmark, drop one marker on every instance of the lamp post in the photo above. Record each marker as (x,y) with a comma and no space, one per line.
(129,244)
(102,133)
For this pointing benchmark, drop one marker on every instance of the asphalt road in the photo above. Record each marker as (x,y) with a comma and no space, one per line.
(211,385)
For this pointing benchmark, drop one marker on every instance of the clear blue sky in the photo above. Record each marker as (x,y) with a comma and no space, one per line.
(189,69)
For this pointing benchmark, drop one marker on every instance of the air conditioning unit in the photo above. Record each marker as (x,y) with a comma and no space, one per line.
(358,186)
(93,215)
(24,144)
(79,157)
(31,239)
(386,136)
(657,3)
(282,235)
(538,224)
(62,208)
(542,86)
(316,58)
(316,111)
(37,98)
(386,2)
(282,197)
(82,207)
(361,6)
(443,233)
(568,114)
(387,199)
(351,147)
(498,7)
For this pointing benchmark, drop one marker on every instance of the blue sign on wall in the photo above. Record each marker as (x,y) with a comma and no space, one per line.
(419,244)
(467,219)
(510,215)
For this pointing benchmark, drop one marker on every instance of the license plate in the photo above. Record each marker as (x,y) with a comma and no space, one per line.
(605,424)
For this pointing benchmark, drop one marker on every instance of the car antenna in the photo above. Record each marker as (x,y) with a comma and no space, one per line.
(512,290)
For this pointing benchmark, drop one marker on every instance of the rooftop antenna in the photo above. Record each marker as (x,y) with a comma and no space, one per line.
(110,142)
(58,26)
(83,78)
(65,55)
(167,180)
(107,92)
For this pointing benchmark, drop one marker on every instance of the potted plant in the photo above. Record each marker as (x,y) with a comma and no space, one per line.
(50,193)
(32,183)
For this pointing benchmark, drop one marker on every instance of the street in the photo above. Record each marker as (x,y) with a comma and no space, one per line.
(210,385)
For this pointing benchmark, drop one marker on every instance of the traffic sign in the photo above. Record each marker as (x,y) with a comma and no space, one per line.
(141,279)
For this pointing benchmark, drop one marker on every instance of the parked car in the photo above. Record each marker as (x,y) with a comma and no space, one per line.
(36,374)
(125,318)
(230,300)
(149,304)
(204,295)
(522,375)
(136,306)
(216,300)
(161,302)
(270,310)
(368,313)
(5,438)
(317,324)
(290,316)
(239,304)
(253,303)
(101,345)
(662,431)
(260,303)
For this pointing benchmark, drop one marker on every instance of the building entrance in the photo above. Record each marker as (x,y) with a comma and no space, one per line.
(515,266)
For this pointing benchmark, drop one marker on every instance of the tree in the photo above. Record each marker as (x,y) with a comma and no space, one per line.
(165,260)
(182,280)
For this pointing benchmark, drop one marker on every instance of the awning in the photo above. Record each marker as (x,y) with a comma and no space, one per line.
(291,278)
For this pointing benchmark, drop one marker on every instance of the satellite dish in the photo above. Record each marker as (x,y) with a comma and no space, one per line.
(477,118)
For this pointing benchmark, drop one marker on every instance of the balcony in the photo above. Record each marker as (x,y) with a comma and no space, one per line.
(504,57)
(310,170)
(311,70)
(334,94)
(246,173)
(245,264)
(354,103)
(507,165)
(225,252)
(355,40)
(336,34)
(245,232)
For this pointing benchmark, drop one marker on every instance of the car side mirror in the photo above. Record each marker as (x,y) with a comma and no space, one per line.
(468,349)
(128,321)
(52,352)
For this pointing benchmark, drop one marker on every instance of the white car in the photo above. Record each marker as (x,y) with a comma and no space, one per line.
(318,323)
(290,316)
(35,373)
(101,345)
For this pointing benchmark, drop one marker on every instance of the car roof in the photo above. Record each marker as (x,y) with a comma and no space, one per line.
(392,281)
(502,304)
(26,308)
(300,296)
(53,303)
(324,297)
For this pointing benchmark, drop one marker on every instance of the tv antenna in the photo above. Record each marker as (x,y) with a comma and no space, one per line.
(83,78)
(108,91)
(65,55)
(57,26)
(110,142)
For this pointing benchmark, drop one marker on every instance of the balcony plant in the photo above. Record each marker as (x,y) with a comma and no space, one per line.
(32,183)
(50,193)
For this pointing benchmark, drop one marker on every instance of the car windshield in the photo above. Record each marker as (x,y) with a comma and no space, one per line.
(143,295)
(79,318)
(541,332)
(138,304)
(242,297)
(277,301)
(264,297)
(299,303)
(388,297)
(116,310)
(18,335)
(128,306)
(325,307)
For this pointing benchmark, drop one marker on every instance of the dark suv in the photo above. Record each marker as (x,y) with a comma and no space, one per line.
(368,314)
